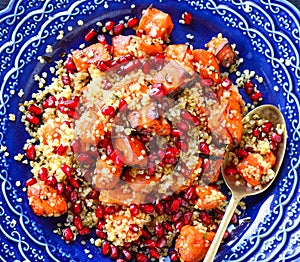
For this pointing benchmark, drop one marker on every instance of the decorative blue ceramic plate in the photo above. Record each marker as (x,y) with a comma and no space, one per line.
(267,35)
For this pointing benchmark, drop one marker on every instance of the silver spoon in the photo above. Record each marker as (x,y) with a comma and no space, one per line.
(273,114)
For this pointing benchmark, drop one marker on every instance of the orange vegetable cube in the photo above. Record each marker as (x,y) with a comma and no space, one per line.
(155,23)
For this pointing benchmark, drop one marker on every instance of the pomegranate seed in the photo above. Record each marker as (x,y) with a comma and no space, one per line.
(100,211)
(102,235)
(178,225)
(70,65)
(105,248)
(150,243)
(72,103)
(157,90)
(141,257)
(108,48)
(111,63)
(101,224)
(66,80)
(160,56)
(205,217)
(73,196)
(174,256)
(170,161)
(132,22)
(30,152)
(147,208)
(77,222)
(122,105)
(102,66)
(122,60)
(127,254)
(190,193)
(134,228)
(256,96)
(45,104)
(168,226)
(158,230)
(196,120)
(120,260)
(188,18)
(249,87)
(35,109)
(172,151)
(231,171)
(75,146)
(191,118)
(276,138)
(32,119)
(168,208)
(51,181)
(146,67)
(109,25)
(68,191)
(108,111)
(102,39)
(226,83)
(184,147)
(151,171)
(204,148)
(43,174)
(234,219)
(154,253)
(161,242)
(159,207)
(187,217)
(62,109)
(110,210)
(68,234)
(129,57)
(114,252)
(61,149)
(226,235)
(84,158)
(60,188)
(146,234)
(115,156)
(256,132)
(94,194)
(74,182)
(66,169)
(242,153)
(31,181)
(134,210)
(177,216)
(50,102)
(266,127)
(85,231)
(77,208)
(74,114)
(175,205)
(183,126)
(118,29)
(90,35)
(176,132)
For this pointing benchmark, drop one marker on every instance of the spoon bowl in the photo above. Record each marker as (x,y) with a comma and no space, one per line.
(239,191)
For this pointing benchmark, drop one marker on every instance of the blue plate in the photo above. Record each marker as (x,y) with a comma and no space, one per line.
(267,35)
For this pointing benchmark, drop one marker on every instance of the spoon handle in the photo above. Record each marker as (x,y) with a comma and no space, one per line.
(212,251)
